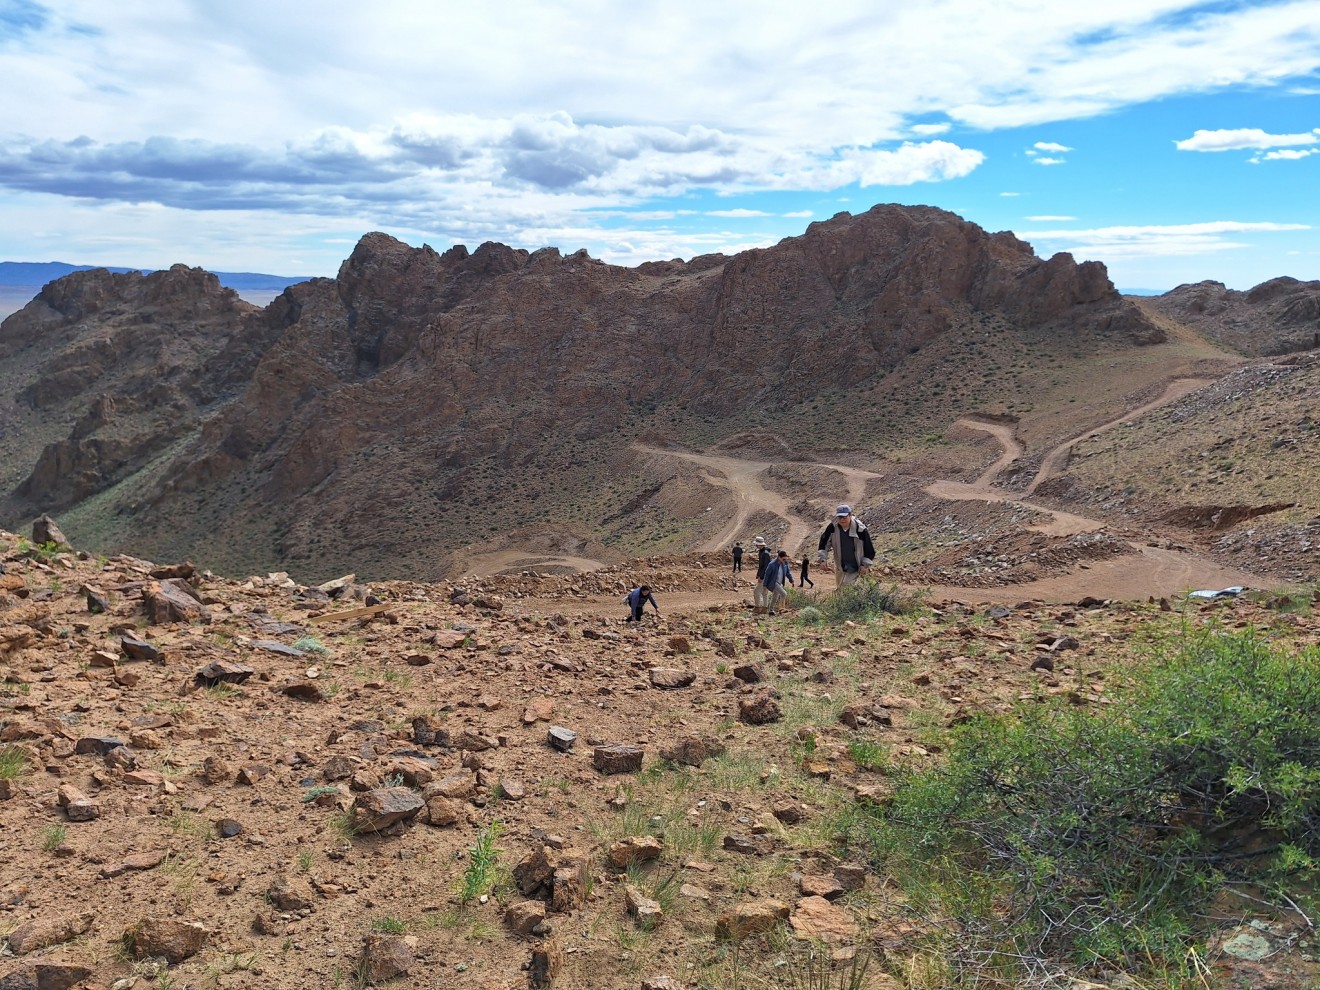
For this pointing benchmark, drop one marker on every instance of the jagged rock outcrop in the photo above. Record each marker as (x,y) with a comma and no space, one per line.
(417,380)
(1276,317)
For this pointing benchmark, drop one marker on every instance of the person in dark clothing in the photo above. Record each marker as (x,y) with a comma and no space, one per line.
(760,595)
(803,580)
(850,540)
(636,601)
(778,573)
(737,557)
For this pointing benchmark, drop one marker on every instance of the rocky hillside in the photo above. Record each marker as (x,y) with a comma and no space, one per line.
(489,785)
(377,418)
(1276,317)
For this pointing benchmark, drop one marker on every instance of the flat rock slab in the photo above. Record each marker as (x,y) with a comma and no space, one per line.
(44,976)
(617,758)
(380,808)
(670,677)
(139,649)
(172,938)
(223,671)
(817,918)
(275,646)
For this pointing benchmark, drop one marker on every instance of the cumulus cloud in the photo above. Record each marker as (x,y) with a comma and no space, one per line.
(798,214)
(1155,240)
(1045,160)
(1243,137)
(1051,146)
(930,130)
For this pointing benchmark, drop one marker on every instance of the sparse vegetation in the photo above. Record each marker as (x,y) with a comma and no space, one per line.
(14,762)
(53,836)
(483,859)
(1101,837)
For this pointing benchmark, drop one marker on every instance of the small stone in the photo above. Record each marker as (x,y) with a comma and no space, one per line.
(96,745)
(817,918)
(751,673)
(228,828)
(560,738)
(692,750)
(41,934)
(524,917)
(172,938)
(635,849)
(759,708)
(646,910)
(813,885)
(305,691)
(788,812)
(750,918)
(77,805)
(546,963)
(385,956)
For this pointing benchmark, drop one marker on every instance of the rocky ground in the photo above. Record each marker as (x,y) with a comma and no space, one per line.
(252,783)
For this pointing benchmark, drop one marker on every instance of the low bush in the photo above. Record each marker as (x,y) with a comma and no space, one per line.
(1066,832)
(862,601)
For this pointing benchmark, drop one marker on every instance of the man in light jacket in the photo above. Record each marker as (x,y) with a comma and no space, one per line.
(850,541)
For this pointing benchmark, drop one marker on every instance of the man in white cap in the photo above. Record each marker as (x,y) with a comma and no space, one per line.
(761,594)
(850,541)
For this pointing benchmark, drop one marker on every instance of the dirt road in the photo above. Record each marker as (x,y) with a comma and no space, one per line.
(1149,572)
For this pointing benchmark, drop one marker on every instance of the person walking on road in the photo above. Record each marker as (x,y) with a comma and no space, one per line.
(636,600)
(778,572)
(804,581)
(737,552)
(850,541)
(761,597)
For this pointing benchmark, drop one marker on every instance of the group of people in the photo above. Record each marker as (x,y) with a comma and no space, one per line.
(846,539)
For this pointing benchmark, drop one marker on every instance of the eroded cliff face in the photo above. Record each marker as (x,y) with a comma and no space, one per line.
(1276,317)
(369,395)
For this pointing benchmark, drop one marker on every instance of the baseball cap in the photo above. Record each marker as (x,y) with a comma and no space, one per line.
(843,510)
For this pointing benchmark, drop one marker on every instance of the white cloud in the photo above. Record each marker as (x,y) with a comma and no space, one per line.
(1049,219)
(1010,194)
(1243,137)
(499,120)
(737,214)
(1286,154)
(1051,146)
(1155,240)
(1050,161)
(798,214)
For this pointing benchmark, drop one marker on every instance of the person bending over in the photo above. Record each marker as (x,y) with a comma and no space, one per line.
(636,601)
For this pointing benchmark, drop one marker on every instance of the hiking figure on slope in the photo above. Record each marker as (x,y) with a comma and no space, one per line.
(804,581)
(777,572)
(850,541)
(761,597)
(636,600)
(737,552)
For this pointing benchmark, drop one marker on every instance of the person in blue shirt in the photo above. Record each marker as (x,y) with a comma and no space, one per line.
(636,601)
(777,572)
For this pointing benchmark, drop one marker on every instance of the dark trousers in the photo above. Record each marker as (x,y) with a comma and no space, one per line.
(636,614)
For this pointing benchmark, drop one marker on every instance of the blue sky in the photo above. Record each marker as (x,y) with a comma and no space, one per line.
(1173,141)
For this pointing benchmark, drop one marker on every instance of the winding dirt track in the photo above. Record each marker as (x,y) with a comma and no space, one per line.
(1151,571)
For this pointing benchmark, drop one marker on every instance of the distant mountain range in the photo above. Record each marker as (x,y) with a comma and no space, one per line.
(33,273)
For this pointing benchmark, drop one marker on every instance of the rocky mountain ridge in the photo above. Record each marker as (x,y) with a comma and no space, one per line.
(161,395)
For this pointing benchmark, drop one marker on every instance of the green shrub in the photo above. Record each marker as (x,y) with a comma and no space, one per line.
(483,860)
(862,601)
(1066,832)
